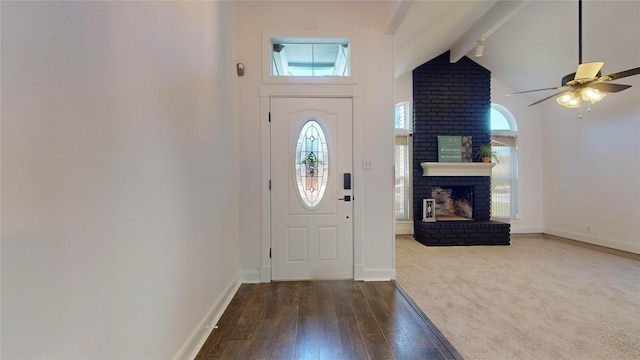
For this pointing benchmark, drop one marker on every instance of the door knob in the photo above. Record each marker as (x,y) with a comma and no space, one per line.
(346,198)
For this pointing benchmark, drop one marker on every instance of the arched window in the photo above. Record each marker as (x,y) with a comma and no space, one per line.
(504,176)
(501,119)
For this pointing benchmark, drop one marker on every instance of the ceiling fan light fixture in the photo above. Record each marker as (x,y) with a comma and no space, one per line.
(570,100)
(592,95)
(587,83)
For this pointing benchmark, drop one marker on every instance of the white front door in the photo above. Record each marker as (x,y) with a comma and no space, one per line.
(311,196)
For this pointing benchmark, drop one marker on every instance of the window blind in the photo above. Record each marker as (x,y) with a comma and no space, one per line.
(402,177)
(503,178)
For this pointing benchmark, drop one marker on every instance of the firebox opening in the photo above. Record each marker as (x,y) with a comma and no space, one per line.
(453,203)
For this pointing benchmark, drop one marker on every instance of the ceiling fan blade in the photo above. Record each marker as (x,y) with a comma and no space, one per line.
(548,97)
(528,91)
(607,87)
(588,70)
(625,73)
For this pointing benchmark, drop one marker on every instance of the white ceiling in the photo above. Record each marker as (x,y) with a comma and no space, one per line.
(528,44)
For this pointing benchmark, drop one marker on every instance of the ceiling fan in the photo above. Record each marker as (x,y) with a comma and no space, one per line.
(587,83)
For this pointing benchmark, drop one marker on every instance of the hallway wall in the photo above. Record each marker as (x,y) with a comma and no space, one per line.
(119,176)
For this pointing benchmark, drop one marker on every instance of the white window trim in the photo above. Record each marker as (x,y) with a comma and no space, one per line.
(505,133)
(403,132)
(267,78)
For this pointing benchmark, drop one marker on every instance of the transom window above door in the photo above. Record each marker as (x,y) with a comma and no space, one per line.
(310,57)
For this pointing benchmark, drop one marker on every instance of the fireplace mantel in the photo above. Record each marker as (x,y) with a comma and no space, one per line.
(456,169)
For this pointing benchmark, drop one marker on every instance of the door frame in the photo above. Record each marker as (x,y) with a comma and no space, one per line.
(309,91)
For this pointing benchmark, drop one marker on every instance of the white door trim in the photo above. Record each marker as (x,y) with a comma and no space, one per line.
(333,91)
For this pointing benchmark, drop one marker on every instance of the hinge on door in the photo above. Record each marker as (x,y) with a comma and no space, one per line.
(269,253)
(269,116)
(269,185)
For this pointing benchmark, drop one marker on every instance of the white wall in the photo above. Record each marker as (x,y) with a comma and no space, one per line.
(373,71)
(592,170)
(119,176)
(404,91)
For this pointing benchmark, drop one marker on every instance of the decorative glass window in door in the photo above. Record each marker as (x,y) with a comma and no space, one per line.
(312,163)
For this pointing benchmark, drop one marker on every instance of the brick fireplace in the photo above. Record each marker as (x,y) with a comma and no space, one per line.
(453,203)
(453,99)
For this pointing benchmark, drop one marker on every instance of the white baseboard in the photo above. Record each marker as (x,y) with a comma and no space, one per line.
(404,227)
(359,274)
(193,345)
(249,277)
(515,229)
(379,274)
(590,239)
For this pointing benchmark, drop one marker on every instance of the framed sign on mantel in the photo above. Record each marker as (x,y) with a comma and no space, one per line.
(454,149)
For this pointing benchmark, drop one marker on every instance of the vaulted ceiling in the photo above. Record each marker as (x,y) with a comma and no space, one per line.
(528,44)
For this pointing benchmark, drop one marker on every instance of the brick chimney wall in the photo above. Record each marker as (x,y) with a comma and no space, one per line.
(451,99)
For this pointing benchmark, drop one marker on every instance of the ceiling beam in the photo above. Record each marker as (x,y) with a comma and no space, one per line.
(497,16)
(401,8)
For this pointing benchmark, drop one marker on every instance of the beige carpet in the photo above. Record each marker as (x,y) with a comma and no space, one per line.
(539,298)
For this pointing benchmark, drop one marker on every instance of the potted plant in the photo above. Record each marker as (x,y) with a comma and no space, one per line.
(485,153)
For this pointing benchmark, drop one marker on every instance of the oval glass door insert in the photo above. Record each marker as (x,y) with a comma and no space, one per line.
(311,163)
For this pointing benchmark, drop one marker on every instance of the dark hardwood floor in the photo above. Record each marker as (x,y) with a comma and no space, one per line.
(325,320)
